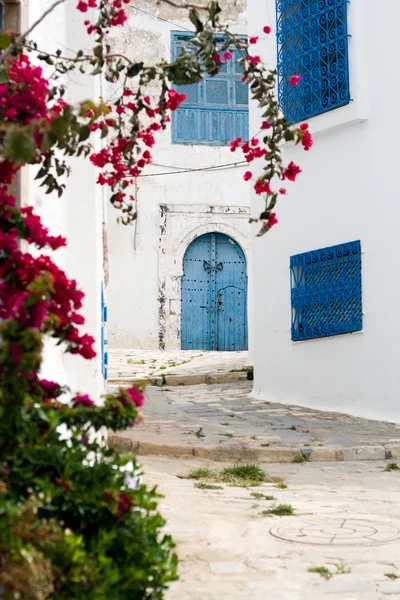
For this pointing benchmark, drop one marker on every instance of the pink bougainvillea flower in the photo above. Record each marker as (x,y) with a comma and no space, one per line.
(83,401)
(248,175)
(82,6)
(262,187)
(272,220)
(254,60)
(227,55)
(307,140)
(217,58)
(253,39)
(282,191)
(291,172)
(267,29)
(135,396)
(295,80)
(265,125)
(235,144)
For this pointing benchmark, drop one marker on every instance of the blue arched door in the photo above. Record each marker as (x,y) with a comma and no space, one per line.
(214,295)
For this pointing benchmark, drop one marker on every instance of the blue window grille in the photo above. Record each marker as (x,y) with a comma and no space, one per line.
(312,42)
(326,292)
(216,109)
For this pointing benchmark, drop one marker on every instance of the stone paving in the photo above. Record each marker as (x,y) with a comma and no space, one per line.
(175,367)
(222,422)
(346,519)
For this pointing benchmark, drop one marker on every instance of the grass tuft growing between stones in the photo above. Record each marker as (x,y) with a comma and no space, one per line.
(299,458)
(392,576)
(392,467)
(259,496)
(323,571)
(280,510)
(202,485)
(201,474)
(239,475)
(327,574)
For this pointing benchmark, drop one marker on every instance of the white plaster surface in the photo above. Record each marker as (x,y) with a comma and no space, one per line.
(348,191)
(146,265)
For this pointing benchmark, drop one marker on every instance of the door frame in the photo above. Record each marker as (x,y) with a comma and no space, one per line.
(179,226)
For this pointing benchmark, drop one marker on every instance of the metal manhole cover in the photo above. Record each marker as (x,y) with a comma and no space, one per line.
(336,531)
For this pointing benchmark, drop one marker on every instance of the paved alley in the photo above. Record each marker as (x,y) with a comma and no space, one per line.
(223,422)
(345,529)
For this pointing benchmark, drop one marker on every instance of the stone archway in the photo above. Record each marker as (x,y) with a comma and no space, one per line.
(179,226)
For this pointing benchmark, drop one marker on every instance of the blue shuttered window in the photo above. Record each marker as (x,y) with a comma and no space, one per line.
(326,292)
(216,109)
(312,40)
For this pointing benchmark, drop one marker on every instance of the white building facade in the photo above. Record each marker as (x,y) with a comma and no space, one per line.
(326,289)
(179,276)
(79,214)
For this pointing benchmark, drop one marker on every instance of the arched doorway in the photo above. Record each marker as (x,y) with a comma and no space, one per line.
(214,295)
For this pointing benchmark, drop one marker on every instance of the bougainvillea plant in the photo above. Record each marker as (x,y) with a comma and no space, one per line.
(75,520)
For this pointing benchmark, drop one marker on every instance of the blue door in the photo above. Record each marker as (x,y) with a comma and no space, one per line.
(214,295)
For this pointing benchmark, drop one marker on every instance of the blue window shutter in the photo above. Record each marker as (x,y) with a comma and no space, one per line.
(312,41)
(326,292)
(216,109)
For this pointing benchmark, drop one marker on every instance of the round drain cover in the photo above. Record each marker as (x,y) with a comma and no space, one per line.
(336,531)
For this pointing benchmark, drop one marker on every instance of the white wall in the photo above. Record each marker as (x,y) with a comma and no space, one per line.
(78,214)
(134,251)
(348,190)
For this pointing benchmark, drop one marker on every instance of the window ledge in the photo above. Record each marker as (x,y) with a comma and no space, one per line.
(344,116)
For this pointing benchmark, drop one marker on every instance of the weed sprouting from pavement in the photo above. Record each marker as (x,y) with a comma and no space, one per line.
(392,467)
(239,475)
(259,496)
(201,485)
(299,458)
(279,510)
(323,571)
(327,574)
(392,576)
(201,474)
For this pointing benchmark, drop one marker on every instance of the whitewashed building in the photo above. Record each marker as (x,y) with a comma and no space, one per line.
(79,214)
(326,286)
(179,275)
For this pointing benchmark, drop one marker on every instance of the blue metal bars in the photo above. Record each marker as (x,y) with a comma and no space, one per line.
(326,291)
(312,41)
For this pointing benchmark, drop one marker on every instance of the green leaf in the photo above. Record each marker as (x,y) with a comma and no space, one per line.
(3,76)
(19,146)
(4,40)
(134,69)
(104,131)
(84,133)
(195,19)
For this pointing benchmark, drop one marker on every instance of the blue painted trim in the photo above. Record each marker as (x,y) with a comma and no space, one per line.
(326,295)
(104,353)
(312,41)
(202,121)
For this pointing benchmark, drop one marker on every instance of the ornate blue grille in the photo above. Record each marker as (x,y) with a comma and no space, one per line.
(312,42)
(326,292)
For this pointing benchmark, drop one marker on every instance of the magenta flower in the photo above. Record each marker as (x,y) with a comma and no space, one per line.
(295,80)
(83,401)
